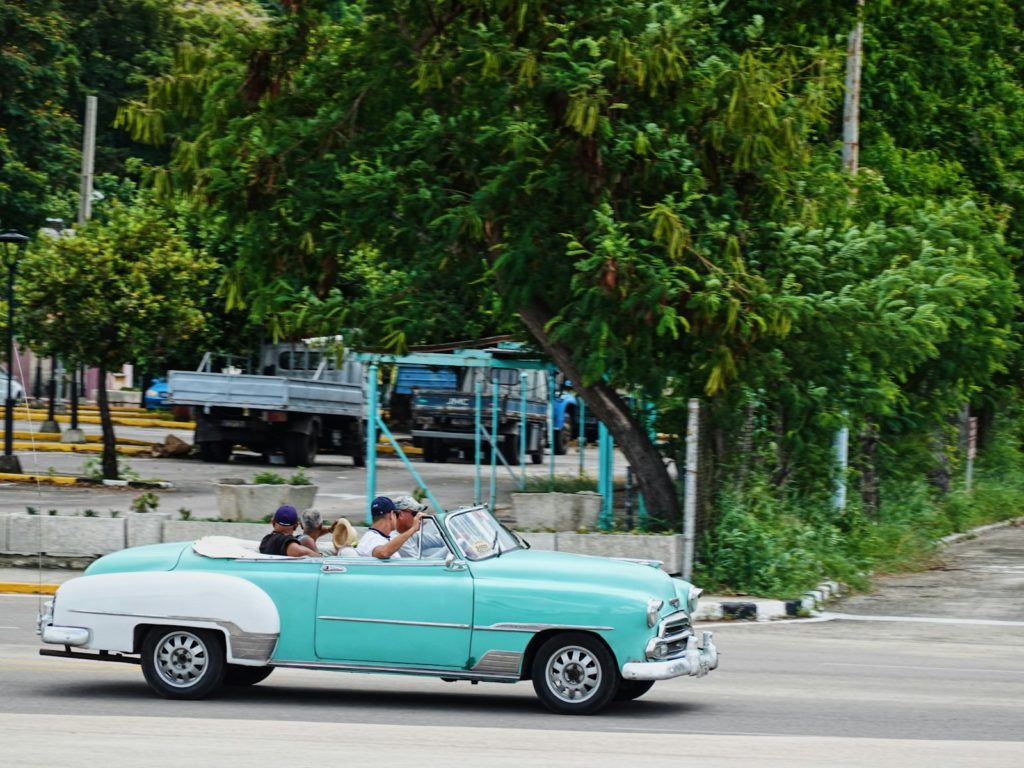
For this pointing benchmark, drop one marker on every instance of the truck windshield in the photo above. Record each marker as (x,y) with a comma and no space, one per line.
(479,536)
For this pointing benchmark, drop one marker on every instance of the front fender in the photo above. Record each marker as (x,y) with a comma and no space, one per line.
(110,606)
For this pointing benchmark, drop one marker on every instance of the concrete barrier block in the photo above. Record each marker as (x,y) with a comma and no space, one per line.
(144,528)
(190,530)
(3,532)
(544,541)
(66,535)
(557,511)
(667,549)
(24,534)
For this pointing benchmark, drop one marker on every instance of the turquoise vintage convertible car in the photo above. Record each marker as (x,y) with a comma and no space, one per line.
(196,615)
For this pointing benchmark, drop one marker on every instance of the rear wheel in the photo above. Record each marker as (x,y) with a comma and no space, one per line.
(300,449)
(537,457)
(633,689)
(575,674)
(216,452)
(563,437)
(238,676)
(510,449)
(180,663)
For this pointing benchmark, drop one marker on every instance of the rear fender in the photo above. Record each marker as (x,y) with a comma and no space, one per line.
(113,606)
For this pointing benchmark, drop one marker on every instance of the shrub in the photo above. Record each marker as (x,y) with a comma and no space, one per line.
(268,478)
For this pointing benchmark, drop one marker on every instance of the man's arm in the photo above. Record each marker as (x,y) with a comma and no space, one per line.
(294,549)
(384,551)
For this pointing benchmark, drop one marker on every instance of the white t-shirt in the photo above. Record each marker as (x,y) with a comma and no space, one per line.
(373,539)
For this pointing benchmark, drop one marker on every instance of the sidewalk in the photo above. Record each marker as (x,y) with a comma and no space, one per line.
(33,581)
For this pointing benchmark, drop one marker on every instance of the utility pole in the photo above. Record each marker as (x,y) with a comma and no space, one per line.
(851,104)
(75,434)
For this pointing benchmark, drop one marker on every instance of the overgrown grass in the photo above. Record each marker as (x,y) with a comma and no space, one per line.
(560,483)
(768,544)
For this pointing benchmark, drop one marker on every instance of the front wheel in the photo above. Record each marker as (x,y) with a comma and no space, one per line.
(216,452)
(575,674)
(183,663)
(300,449)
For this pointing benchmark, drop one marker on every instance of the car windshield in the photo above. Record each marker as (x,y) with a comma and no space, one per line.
(479,535)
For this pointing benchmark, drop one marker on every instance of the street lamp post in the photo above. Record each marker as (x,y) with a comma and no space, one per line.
(13,243)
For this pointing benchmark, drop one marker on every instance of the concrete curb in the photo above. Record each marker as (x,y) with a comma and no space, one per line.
(766,609)
(84,481)
(953,538)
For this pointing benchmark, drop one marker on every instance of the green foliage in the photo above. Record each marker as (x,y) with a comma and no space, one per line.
(299,477)
(268,478)
(145,502)
(184,513)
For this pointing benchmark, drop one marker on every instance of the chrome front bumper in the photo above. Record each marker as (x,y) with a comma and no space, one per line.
(694,661)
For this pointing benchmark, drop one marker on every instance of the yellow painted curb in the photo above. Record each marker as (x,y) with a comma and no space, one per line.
(124,450)
(48,437)
(124,421)
(28,589)
(409,450)
(23,478)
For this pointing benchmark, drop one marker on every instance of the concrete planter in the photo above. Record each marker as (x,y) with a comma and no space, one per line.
(256,502)
(556,511)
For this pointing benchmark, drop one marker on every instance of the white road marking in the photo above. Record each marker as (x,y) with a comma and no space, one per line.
(913,666)
(924,620)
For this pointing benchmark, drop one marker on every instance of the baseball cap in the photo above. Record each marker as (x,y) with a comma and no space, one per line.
(381,506)
(286,515)
(408,502)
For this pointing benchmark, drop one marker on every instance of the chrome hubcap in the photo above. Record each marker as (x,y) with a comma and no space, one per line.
(573,674)
(181,659)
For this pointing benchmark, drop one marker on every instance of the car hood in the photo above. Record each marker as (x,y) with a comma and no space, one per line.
(153,557)
(566,569)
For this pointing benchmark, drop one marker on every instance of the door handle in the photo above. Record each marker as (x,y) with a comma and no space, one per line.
(333,569)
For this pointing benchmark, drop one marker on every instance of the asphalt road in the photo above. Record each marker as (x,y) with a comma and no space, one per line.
(896,680)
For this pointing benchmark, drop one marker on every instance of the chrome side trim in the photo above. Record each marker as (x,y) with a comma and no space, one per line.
(508,626)
(499,663)
(394,621)
(455,674)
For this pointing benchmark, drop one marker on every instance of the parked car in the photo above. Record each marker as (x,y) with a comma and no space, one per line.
(585,630)
(156,394)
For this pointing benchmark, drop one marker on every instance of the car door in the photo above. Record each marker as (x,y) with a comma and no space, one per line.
(416,613)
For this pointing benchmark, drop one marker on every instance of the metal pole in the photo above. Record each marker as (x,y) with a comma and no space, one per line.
(88,155)
(494,443)
(551,428)
(522,429)
(842,450)
(371,443)
(477,390)
(690,496)
(9,403)
(583,430)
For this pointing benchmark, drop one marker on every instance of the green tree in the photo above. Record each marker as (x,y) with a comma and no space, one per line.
(119,289)
(592,169)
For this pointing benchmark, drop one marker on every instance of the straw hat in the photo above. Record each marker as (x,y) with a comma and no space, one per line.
(344,534)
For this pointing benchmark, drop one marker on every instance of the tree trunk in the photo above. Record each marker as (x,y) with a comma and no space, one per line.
(870,489)
(630,435)
(109,441)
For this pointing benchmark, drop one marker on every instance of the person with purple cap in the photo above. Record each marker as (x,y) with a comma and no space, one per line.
(282,540)
(382,539)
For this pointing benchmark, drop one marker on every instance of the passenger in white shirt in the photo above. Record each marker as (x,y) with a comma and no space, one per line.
(381,539)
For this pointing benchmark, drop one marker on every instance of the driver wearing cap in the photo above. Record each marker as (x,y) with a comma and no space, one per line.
(382,539)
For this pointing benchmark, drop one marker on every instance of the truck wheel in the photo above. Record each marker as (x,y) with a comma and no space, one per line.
(510,449)
(537,457)
(216,452)
(563,437)
(359,456)
(183,663)
(300,449)
(575,674)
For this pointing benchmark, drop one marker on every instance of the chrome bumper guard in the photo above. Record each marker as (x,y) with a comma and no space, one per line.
(75,636)
(694,661)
